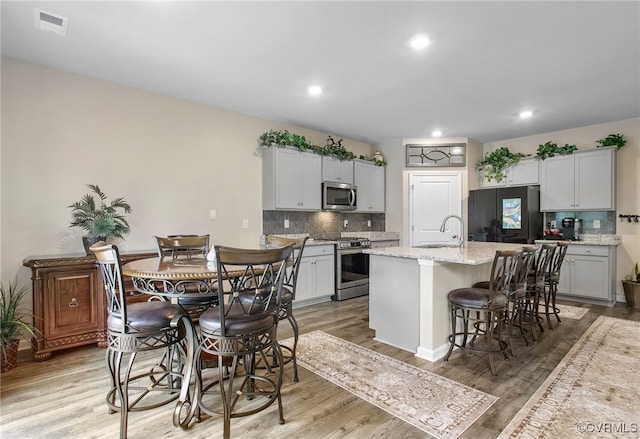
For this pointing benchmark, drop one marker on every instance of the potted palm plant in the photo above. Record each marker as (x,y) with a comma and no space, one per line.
(98,219)
(631,287)
(14,323)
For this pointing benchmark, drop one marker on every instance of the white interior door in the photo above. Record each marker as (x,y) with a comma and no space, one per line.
(432,197)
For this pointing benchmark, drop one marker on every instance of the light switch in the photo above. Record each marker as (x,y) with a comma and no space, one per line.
(212,214)
(245,224)
(368,223)
(286,224)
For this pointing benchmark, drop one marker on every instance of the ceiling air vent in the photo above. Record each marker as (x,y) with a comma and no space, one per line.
(50,22)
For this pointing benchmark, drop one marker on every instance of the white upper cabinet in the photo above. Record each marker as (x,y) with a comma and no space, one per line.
(524,173)
(339,171)
(291,179)
(369,179)
(580,181)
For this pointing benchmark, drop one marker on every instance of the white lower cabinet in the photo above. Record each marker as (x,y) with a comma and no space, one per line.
(588,271)
(316,278)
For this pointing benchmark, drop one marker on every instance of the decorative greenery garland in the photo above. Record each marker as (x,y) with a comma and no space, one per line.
(550,149)
(332,148)
(496,162)
(616,140)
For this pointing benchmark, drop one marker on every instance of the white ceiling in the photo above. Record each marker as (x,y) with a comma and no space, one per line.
(573,63)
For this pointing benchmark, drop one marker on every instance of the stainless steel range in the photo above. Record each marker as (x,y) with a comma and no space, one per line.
(352,268)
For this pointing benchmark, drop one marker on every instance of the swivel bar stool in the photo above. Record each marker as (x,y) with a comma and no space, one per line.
(144,327)
(536,284)
(551,281)
(489,308)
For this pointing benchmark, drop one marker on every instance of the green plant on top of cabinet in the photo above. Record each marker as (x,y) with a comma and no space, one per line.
(616,140)
(369,179)
(291,179)
(494,164)
(580,181)
(550,149)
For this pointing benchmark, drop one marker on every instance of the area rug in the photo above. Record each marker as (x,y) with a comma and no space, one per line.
(439,406)
(594,391)
(568,311)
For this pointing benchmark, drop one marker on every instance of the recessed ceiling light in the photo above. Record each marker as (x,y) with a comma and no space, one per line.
(526,114)
(419,42)
(315,90)
(436,133)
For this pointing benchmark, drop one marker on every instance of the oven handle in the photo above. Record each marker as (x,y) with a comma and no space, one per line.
(349,251)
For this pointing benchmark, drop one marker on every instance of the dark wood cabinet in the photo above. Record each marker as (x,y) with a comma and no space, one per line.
(68,301)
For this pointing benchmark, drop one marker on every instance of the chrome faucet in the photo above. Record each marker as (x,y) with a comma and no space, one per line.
(459,218)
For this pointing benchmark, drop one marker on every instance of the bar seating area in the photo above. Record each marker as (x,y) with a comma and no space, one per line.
(506,306)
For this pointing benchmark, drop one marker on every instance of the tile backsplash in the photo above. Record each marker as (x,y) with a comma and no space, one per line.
(320,225)
(607,221)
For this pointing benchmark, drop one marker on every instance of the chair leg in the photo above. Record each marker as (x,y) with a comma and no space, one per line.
(188,397)
(294,325)
(452,337)
(554,290)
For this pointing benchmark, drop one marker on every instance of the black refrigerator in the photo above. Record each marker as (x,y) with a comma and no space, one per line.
(507,214)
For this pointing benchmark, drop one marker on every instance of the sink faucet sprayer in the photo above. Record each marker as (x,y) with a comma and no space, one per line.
(459,218)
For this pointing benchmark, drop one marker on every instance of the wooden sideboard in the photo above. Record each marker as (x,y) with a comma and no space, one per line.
(69,305)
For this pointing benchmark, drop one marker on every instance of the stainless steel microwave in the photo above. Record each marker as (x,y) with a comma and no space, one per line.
(338,196)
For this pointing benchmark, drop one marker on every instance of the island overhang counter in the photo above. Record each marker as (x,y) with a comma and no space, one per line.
(408,289)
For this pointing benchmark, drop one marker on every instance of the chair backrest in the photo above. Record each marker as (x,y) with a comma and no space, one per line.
(182,246)
(250,282)
(558,258)
(542,262)
(291,278)
(503,270)
(108,258)
(523,267)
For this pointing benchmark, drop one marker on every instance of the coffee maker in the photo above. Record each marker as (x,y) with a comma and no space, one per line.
(571,228)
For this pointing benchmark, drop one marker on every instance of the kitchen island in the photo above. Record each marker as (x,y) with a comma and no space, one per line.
(408,289)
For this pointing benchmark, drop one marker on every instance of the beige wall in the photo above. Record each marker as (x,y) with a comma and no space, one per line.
(172,160)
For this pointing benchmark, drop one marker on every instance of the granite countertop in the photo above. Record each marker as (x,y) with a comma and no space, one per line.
(590,239)
(372,236)
(474,253)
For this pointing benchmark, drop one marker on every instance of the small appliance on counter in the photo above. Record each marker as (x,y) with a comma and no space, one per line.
(571,228)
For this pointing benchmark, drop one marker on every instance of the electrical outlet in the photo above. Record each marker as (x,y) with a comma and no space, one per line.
(213,214)
(286,224)
(553,224)
(346,223)
(368,223)
(245,224)
(596,224)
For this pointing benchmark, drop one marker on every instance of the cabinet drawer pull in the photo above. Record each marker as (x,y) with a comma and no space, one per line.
(73,303)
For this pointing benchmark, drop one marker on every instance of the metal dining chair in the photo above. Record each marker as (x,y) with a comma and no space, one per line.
(185,248)
(143,327)
(289,294)
(238,331)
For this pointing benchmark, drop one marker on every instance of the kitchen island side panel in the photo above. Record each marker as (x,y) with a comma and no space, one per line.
(394,301)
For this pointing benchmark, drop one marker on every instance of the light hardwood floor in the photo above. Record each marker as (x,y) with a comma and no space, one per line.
(63,397)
